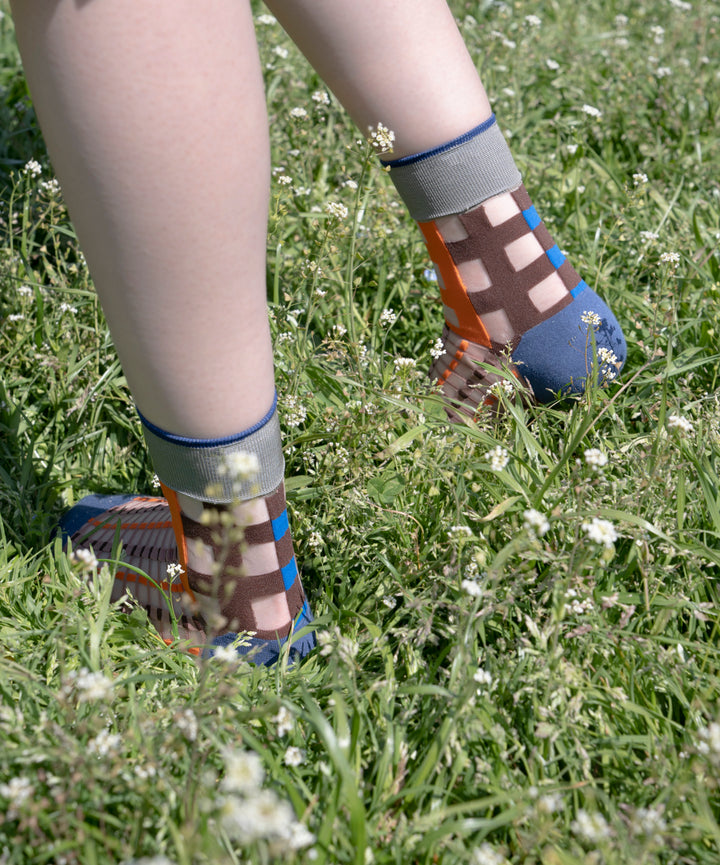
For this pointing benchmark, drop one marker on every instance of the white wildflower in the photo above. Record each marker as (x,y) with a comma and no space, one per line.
(315,541)
(681,423)
(670,258)
(591,318)
(663,72)
(187,724)
(32,168)
(284,180)
(388,316)
(621,21)
(486,854)
(404,363)
(321,97)
(601,531)
(649,823)
(93,687)
(595,458)
(104,743)
(17,791)
(460,531)
(349,184)
(66,307)
(381,138)
(483,678)
(533,21)
(85,558)
(173,570)
(293,756)
(551,64)
(472,588)
(244,772)
(498,458)
(339,330)
(267,20)
(284,720)
(239,466)
(300,836)
(649,236)
(225,654)
(438,349)
(591,111)
(50,187)
(294,412)
(280,52)
(25,291)
(535,522)
(709,741)
(15,316)
(590,827)
(336,209)
(572,149)
(298,113)
(549,803)
(262,815)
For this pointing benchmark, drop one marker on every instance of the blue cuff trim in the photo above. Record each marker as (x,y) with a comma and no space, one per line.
(426,154)
(289,573)
(556,257)
(579,288)
(280,525)
(207,443)
(531,217)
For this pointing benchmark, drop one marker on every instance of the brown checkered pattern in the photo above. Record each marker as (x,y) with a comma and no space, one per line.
(238,591)
(510,290)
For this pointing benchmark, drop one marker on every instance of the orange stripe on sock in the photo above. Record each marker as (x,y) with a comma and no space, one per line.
(132,577)
(174,506)
(454,294)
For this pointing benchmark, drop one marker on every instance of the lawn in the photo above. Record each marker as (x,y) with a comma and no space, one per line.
(517,617)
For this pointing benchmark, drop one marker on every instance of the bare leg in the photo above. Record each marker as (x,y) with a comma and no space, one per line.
(155,119)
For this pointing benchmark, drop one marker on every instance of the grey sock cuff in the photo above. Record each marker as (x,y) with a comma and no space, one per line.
(215,470)
(457,176)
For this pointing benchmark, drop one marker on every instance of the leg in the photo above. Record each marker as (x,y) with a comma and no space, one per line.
(506,287)
(154,115)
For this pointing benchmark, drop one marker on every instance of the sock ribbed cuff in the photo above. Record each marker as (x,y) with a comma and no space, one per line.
(213,470)
(456,176)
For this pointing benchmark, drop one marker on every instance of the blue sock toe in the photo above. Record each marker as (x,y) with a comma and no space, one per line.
(557,355)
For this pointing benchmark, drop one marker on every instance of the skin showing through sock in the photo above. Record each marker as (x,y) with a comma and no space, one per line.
(500,275)
(241,565)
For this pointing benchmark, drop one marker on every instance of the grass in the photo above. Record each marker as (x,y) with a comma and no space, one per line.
(482,694)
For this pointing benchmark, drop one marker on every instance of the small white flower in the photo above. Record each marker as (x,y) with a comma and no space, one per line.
(93,687)
(388,316)
(240,466)
(482,677)
(535,522)
(595,458)
(104,743)
(663,72)
(498,458)
(173,570)
(294,412)
(321,97)
(66,307)
(15,316)
(298,113)
(339,330)
(486,854)
(17,791)
(85,558)
(293,756)
(438,349)
(25,291)
(187,723)
(280,52)
(590,827)
(472,588)
(244,772)
(591,111)
(621,21)
(681,423)
(284,180)
(32,168)
(601,531)
(591,318)
(649,236)
(460,531)
(533,21)
(50,187)
(300,836)
(551,64)
(404,363)
(315,541)
(670,258)
(225,654)
(381,138)
(550,803)
(267,20)
(349,184)
(336,209)
(284,720)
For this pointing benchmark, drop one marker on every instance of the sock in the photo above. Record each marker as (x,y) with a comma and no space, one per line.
(225,507)
(508,291)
